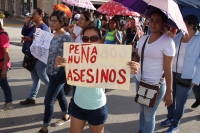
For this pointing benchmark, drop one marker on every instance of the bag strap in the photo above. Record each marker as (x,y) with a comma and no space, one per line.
(142,59)
(4,33)
(135,36)
(142,55)
(178,55)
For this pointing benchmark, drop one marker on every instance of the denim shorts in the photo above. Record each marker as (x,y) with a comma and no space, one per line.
(94,117)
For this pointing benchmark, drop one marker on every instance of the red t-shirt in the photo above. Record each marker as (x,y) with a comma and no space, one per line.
(4,43)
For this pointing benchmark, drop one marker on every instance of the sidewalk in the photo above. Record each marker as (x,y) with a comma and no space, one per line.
(13,22)
(13,27)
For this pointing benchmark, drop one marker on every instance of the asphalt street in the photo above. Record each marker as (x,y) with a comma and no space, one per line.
(123,111)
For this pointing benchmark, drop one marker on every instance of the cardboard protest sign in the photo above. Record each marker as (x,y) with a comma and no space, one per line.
(40,46)
(98,65)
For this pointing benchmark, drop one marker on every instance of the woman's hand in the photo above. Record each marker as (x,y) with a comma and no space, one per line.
(134,66)
(71,28)
(27,20)
(60,61)
(115,34)
(168,99)
(26,39)
(4,73)
(192,85)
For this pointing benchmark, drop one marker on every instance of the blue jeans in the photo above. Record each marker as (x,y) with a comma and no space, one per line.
(147,114)
(38,73)
(196,91)
(55,90)
(176,110)
(6,89)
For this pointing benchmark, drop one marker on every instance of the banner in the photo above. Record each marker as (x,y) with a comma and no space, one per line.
(98,65)
(40,46)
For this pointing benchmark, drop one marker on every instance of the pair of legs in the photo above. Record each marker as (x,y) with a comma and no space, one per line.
(55,90)
(6,89)
(95,118)
(147,114)
(38,73)
(77,125)
(196,91)
(176,110)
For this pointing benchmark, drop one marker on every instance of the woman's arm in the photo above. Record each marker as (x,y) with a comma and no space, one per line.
(168,60)
(5,61)
(123,35)
(117,38)
(136,58)
(73,35)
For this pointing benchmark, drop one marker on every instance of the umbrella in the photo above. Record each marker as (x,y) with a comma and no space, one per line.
(63,8)
(80,3)
(113,8)
(169,7)
(131,13)
(190,3)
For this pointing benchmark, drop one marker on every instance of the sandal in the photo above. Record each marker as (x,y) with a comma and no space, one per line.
(62,121)
(41,131)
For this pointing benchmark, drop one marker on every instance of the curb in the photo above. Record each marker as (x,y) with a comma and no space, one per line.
(9,25)
(16,43)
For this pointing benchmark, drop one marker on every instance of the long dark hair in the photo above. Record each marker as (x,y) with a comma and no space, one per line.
(117,24)
(39,10)
(163,15)
(61,16)
(88,16)
(92,28)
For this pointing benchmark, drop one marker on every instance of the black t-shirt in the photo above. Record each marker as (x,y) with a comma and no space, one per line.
(130,35)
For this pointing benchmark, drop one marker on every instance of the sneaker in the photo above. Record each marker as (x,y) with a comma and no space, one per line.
(27,101)
(6,106)
(62,121)
(172,129)
(166,123)
(195,104)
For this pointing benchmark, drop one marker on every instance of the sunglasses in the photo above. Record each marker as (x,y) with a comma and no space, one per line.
(86,39)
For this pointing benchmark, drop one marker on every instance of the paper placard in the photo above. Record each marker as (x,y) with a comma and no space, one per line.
(40,46)
(98,65)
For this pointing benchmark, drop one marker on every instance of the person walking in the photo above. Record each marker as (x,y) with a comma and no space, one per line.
(39,71)
(186,67)
(4,67)
(159,51)
(57,76)
(90,103)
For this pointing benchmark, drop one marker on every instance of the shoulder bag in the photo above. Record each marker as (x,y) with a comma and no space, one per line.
(28,62)
(147,94)
(177,78)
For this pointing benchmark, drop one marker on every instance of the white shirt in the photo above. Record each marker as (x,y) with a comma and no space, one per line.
(180,58)
(77,32)
(154,58)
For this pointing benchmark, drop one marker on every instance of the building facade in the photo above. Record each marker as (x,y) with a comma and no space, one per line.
(18,8)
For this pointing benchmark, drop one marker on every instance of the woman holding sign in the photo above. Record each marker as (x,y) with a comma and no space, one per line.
(39,71)
(155,53)
(57,78)
(90,103)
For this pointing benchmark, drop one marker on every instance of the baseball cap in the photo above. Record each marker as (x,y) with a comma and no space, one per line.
(77,16)
(191,19)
